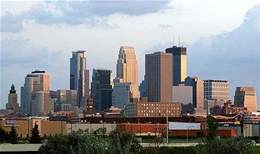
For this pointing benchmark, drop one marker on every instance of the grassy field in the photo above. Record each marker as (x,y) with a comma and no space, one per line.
(256,150)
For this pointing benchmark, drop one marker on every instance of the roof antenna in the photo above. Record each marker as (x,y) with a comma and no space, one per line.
(173,41)
(179,41)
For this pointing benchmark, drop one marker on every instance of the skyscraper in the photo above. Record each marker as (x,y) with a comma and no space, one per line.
(127,69)
(158,77)
(216,90)
(12,100)
(36,81)
(179,64)
(246,97)
(197,90)
(79,76)
(101,89)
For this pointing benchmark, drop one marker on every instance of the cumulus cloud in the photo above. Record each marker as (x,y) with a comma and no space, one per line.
(11,23)
(230,55)
(92,13)
(20,51)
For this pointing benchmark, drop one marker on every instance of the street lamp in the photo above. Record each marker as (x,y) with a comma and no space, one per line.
(188,132)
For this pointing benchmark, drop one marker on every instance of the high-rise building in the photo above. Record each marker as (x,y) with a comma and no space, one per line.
(197,90)
(179,64)
(216,90)
(127,69)
(246,97)
(79,77)
(122,94)
(36,81)
(12,100)
(66,99)
(101,89)
(158,77)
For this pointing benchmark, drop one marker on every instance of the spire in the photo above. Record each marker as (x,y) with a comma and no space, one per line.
(12,91)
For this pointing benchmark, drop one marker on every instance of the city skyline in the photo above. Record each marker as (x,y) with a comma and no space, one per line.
(43,45)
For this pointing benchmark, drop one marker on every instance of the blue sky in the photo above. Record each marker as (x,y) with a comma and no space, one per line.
(222,37)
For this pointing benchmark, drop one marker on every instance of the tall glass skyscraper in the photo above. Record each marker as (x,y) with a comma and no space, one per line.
(79,77)
(101,89)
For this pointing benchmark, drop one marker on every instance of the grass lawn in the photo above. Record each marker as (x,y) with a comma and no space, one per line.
(256,149)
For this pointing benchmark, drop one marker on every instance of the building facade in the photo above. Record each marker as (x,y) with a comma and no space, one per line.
(197,90)
(66,99)
(127,69)
(153,109)
(179,64)
(79,77)
(36,81)
(101,89)
(12,100)
(216,90)
(122,94)
(246,97)
(158,77)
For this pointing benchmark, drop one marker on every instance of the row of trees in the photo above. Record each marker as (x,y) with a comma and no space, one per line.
(115,143)
(12,136)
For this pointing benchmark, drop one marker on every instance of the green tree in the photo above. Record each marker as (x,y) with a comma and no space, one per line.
(4,135)
(13,136)
(212,127)
(200,134)
(124,142)
(35,135)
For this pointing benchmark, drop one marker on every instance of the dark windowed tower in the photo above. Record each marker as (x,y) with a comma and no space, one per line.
(79,76)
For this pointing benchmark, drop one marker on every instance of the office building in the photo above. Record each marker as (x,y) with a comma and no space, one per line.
(101,89)
(127,69)
(79,77)
(246,97)
(36,81)
(158,77)
(66,100)
(153,109)
(42,104)
(179,64)
(216,90)
(12,100)
(122,94)
(197,90)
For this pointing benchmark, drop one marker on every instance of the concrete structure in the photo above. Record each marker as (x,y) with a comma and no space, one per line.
(66,99)
(184,95)
(216,90)
(12,100)
(122,94)
(79,77)
(158,77)
(228,109)
(152,109)
(246,97)
(42,104)
(36,81)
(197,89)
(179,64)
(101,89)
(24,127)
(127,69)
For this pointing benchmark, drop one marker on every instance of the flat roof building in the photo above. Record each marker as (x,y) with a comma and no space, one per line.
(158,77)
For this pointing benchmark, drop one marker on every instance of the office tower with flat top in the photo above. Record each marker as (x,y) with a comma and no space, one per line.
(179,64)
(246,97)
(158,77)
